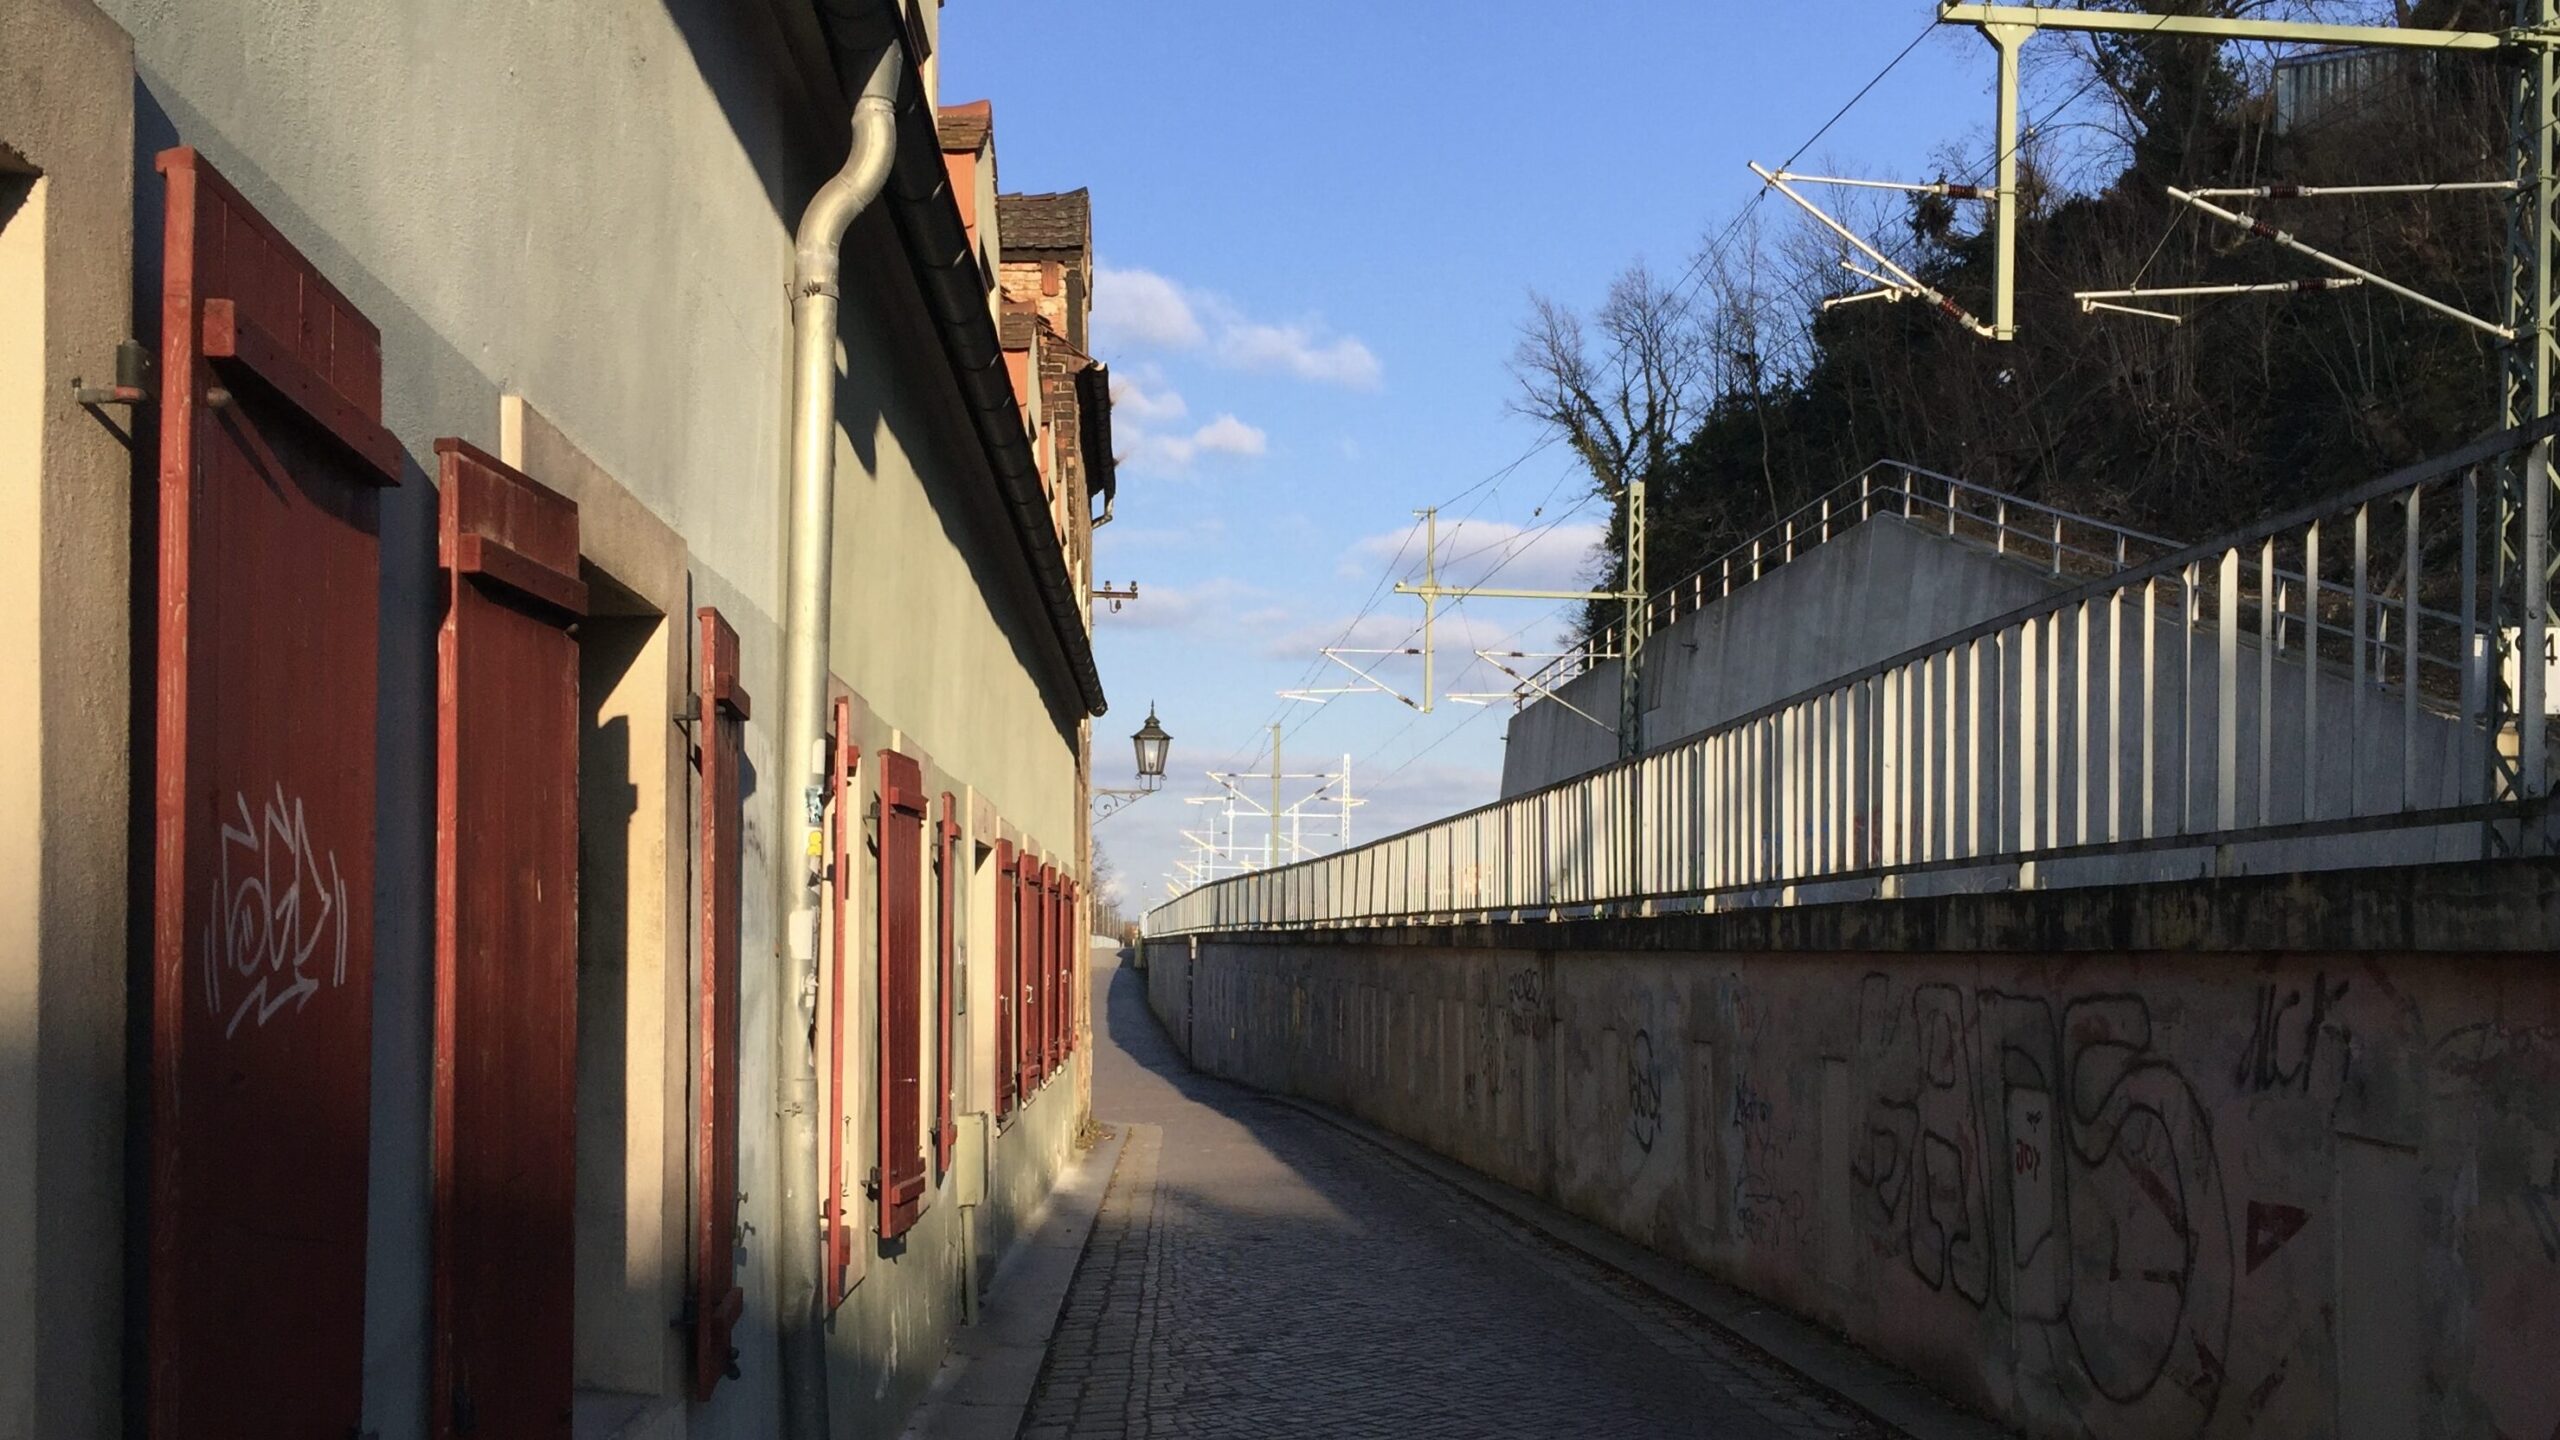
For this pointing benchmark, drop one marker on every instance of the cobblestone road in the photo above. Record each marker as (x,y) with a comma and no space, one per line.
(1256,1271)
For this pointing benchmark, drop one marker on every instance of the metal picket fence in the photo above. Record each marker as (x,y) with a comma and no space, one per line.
(2345,672)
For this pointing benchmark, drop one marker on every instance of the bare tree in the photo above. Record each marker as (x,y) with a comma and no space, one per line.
(1622,389)
(1107,919)
(1626,404)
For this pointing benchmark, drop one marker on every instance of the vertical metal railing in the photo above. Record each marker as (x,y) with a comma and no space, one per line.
(2058,541)
(2127,713)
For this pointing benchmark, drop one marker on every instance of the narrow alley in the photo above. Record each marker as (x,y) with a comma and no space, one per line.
(1259,1270)
(925,720)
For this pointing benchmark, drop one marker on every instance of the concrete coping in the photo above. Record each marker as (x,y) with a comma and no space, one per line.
(2470,907)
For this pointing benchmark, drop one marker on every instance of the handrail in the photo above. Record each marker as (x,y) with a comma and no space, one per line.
(1821,519)
(2051,731)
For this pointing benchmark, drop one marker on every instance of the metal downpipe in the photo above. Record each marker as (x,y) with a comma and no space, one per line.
(805,648)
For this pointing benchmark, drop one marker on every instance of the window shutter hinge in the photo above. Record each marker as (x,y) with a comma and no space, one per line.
(136,371)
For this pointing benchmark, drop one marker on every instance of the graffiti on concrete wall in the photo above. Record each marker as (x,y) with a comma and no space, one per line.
(1644,1092)
(2286,1030)
(1768,1204)
(2048,1161)
(1524,1003)
(2127,1203)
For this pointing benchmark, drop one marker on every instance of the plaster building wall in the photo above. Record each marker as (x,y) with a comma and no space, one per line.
(2154,1161)
(66,249)
(573,227)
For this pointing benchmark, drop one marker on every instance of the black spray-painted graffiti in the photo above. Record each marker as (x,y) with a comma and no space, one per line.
(1750,1107)
(1769,1207)
(2056,1166)
(1525,1001)
(1644,1092)
(2285,1032)
(2539,1207)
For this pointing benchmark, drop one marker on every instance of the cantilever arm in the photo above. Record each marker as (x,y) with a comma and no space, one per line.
(2265,231)
(1893,274)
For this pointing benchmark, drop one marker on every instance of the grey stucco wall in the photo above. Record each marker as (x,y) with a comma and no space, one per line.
(2106,1185)
(66,481)
(884,1350)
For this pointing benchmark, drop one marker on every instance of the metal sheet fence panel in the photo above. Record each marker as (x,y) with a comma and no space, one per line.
(506,974)
(262,859)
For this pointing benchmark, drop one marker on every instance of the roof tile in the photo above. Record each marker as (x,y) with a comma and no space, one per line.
(1062,221)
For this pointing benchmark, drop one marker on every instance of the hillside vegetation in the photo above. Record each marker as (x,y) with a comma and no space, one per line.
(1741,399)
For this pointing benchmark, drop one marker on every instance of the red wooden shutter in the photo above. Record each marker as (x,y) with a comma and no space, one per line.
(506,951)
(1066,967)
(848,844)
(1075,951)
(902,1163)
(271,452)
(1008,983)
(1027,970)
(947,879)
(719,728)
(1053,1004)
(1042,972)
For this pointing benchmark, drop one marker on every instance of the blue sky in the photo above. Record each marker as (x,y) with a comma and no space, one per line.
(1319,225)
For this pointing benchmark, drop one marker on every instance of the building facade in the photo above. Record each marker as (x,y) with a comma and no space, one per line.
(399,1034)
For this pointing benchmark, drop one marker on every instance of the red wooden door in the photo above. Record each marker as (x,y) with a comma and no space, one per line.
(901,1093)
(719,737)
(506,951)
(271,455)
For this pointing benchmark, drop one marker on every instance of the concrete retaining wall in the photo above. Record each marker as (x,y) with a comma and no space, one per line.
(2274,1157)
(1880,589)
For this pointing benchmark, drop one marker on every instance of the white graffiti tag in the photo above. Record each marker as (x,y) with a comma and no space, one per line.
(279,924)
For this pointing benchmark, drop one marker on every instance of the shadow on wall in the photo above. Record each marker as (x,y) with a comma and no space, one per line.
(741,83)
(1302,1280)
(2121,1195)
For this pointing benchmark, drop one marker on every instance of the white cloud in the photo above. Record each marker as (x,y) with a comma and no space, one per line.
(1145,450)
(1542,556)
(1296,350)
(1143,397)
(1402,797)
(1205,532)
(1397,625)
(1144,310)
(1143,307)
(1233,609)
(1228,435)
(1178,607)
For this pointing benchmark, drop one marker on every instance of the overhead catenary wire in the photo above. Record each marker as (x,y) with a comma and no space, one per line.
(1484,487)
(1695,274)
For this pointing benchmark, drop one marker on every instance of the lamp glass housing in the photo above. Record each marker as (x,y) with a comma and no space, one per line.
(1151,743)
